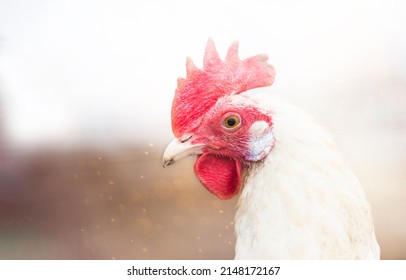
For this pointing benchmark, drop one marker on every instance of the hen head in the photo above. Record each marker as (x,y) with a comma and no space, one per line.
(212,119)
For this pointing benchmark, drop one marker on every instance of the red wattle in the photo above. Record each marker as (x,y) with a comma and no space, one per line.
(220,175)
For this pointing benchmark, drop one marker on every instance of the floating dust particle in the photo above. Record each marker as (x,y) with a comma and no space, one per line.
(226,227)
(144,250)
(142,177)
(82,230)
(146,153)
(151,145)
(98,172)
(113,220)
(132,241)
(220,235)
(75,176)
(99,158)
(144,210)
(110,197)
(198,237)
(230,243)
(232,223)
(200,250)
(221,211)
(113,258)
(111,182)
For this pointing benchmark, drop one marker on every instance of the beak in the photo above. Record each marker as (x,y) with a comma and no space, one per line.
(177,150)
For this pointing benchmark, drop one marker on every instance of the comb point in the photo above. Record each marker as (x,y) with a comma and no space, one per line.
(191,68)
(181,82)
(232,54)
(211,56)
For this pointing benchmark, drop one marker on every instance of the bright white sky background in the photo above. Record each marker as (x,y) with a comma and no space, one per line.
(75,71)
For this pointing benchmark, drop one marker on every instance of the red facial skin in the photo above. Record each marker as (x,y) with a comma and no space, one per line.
(220,166)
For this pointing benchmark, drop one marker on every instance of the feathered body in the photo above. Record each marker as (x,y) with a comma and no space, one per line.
(299,199)
(302,201)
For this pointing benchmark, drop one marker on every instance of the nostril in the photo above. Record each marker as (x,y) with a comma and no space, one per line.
(168,162)
(185,137)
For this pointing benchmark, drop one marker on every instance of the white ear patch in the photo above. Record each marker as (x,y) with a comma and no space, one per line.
(261,141)
(258,128)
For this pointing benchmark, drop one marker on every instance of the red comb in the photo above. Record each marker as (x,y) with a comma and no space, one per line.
(201,89)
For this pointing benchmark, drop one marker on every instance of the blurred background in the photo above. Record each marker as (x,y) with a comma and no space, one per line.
(85,97)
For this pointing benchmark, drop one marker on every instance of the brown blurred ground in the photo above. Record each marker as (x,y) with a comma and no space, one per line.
(124,205)
(87,205)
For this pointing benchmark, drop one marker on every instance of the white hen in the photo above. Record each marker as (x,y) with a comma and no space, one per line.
(299,198)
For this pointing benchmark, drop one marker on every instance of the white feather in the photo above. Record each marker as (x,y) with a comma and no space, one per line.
(302,201)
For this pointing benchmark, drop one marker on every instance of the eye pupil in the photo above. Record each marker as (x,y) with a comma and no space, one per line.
(231,122)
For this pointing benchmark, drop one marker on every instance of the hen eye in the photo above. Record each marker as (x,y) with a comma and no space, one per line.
(231,121)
